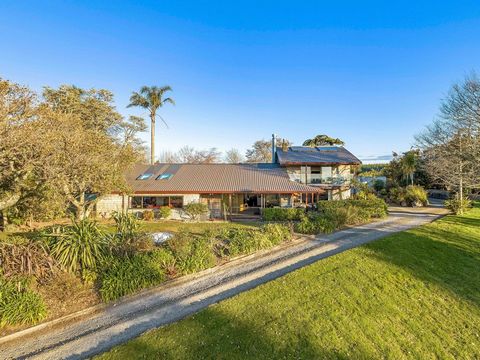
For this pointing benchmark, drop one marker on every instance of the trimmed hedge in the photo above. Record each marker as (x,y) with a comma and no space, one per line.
(283,214)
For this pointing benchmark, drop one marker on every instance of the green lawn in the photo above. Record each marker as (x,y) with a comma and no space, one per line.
(412,295)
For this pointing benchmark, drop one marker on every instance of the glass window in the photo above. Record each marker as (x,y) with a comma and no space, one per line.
(136,202)
(164,176)
(176,201)
(145,176)
(272,200)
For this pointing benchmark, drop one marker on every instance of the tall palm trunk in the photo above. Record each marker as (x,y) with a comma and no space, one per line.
(152,138)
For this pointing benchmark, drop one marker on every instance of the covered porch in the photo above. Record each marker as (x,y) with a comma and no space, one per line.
(251,205)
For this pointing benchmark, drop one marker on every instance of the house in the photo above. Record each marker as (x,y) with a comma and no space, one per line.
(297,176)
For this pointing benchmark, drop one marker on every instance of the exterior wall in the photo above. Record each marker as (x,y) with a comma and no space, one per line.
(339,194)
(110,203)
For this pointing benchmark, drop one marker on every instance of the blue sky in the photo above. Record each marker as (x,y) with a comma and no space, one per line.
(370,72)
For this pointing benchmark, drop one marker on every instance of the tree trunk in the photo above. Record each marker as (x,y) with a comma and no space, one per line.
(152,138)
(80,207)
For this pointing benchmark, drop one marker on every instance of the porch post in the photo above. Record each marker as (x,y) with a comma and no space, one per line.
(230,204)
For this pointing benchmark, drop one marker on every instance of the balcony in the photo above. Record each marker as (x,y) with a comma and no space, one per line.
(318,179)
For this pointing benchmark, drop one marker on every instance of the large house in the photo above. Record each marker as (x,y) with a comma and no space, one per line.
(297,176)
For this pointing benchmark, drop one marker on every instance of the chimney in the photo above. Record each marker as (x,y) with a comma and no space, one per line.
(274,147)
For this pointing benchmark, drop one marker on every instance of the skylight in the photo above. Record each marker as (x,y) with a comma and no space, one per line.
(145,176)
(164,176)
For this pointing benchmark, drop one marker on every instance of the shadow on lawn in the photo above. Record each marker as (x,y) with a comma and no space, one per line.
(445,253)
(213,335)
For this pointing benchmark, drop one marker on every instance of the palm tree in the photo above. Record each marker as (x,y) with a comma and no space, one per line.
(320,140)
(151,98)
(409,164)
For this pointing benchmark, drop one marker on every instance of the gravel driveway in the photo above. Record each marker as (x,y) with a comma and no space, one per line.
(129,318)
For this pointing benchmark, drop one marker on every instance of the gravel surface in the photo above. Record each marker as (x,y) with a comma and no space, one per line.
(134,315)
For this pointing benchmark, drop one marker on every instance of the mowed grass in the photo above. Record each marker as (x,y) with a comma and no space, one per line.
(415,294)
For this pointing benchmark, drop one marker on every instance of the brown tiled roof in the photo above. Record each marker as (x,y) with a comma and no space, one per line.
(320,155)
(215,178)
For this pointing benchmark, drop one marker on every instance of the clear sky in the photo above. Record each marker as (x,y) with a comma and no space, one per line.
(370,72)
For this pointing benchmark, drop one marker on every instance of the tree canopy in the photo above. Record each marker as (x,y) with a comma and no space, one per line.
(321,140)
(151,98)
(261,151)
(68,148)
(451,144)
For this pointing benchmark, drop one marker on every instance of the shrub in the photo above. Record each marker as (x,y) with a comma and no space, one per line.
(148,215)
(246,241)
(370,208)
(127,238)
(164,212)
(21,256)
(192,253)
(457,206)
(123,276)
(126,226)
(282,214)
(305,226)
(315,224)
(277,233)
(19,304)
(379,185)
(195,209)
(165,259)
(79,246)
(416,195)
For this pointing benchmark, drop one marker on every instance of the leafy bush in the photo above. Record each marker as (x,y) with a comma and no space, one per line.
(283,214)
(245,241)
(416,195)
(165,259)
(314,224)
(148,215)
(127,238)
(21,256)
(370,208)
(79,246)
(123,276)
(19,304)
(457,206)
(164,212)
(379,185)
(192,253)
(277,233)
(126,226)
(195,209)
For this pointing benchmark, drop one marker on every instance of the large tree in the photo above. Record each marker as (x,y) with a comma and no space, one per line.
(95,108)
(23,149)
(233,156)
(91,145)
(87,164)
(151,98)
(451,145)
(261,151)
(321,140)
